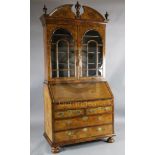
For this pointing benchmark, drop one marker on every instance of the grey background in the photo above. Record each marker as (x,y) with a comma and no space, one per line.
(115,72)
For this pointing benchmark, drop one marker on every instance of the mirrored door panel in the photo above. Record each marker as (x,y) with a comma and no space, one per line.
(62,54)
(92,56)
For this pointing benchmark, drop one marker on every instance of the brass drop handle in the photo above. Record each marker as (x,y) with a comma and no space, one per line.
(85,129)
(61,114)
(100,129)
(69,133)
(100,118)
(107,108)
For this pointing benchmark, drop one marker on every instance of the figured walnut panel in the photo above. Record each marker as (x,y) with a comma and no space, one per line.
(82,122)
(51,28)
(63,11)
(90,13)
(83,133)
(80,92)
(47,113)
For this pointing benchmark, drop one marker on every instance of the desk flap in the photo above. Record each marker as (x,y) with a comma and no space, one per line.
(80,92)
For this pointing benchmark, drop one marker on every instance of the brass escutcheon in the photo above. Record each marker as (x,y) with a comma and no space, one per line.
(60,114)
(99,129)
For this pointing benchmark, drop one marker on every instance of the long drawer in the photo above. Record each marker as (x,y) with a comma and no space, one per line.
(81,112)
(79,105)
(78,122)
(83,133)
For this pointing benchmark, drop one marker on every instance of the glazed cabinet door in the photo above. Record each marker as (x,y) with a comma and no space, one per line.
(91,49)
(62,51)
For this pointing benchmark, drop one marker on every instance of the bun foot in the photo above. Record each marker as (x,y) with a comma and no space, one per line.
(55,149)
(110,140)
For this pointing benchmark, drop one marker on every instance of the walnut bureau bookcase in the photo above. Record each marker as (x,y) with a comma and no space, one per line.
(78,102)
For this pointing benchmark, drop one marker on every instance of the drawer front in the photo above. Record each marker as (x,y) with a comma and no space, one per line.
(79,105)
(83,133)
(98,110)
(82,122)
(69,113)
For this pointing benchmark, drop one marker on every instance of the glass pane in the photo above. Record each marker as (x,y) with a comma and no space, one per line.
(92,35)
(61,34)
(63,66)
(92,58)
(91,66)
(53,55)
(72,73)
(92,54)
(84,72)
(92,72)
(54,74)
(62,54)
(63,73)
(71,57)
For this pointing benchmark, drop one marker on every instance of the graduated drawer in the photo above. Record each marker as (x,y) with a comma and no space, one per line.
(98,110)
(84,104)
(83,133)
(68,113)
(82,122)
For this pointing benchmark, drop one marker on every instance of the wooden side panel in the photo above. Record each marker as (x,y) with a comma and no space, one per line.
(47,113)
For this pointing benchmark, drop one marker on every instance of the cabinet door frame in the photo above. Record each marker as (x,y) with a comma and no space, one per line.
(72,29)
(83,28)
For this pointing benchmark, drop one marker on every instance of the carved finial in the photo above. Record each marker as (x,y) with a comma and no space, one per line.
(45,9)
(77,7)
(106,16)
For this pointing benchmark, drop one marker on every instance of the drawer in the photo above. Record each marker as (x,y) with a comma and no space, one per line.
(99,110)
(83,133)
(82,122)
(79,105)
(69,113)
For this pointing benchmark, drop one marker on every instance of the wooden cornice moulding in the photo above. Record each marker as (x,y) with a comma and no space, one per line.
(65,12)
